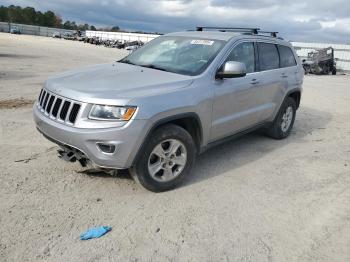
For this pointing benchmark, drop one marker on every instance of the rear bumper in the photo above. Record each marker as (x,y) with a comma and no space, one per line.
(127,140)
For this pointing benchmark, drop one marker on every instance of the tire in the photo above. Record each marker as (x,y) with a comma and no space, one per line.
(279,129)
(173,166)
(334,71)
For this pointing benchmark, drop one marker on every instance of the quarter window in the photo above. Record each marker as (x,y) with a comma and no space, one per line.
(244,53)
(286,56)
(268,56)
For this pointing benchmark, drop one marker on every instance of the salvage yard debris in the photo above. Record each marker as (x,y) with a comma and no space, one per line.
(320,62)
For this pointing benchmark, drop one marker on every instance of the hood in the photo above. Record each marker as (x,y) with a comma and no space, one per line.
(114,83)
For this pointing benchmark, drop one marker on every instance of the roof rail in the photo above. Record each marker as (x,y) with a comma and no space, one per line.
(254,31)
(230,29)
(273,34)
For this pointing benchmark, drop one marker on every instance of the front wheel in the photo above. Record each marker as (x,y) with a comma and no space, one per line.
(166,160)
(283,123)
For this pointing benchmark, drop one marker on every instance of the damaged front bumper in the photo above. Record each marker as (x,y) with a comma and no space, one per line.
(84,144)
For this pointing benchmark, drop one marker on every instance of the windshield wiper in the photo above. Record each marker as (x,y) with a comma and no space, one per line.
(126,61)
(154,67)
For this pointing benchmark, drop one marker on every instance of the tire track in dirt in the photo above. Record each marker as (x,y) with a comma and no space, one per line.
(16,103)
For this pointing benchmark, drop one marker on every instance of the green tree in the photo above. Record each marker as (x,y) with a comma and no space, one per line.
(67,25)
(28,15)
(49,18)
(3,14)
(39,19)
(115,28)
(14,14)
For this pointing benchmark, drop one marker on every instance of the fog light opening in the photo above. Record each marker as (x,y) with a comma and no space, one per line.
(106,148)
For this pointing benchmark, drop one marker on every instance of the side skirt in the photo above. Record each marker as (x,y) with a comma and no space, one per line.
(232,137)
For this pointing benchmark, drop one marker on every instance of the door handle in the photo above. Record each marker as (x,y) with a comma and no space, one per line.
(284,75)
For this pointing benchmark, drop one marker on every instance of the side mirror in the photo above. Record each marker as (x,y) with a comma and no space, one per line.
(231,69)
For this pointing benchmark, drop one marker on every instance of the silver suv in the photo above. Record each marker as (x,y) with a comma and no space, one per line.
(155,110)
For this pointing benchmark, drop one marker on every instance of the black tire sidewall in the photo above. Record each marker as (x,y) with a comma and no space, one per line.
(275,130)
(287,103)
(141,168)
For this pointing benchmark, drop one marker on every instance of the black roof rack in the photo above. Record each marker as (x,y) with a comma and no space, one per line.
(254,31)
(229,29)
(273,34)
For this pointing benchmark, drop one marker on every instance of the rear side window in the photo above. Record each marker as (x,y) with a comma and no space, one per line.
(244,53)
(286,56)
(268,56)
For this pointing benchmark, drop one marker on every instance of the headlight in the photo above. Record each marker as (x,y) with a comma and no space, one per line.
(103,112)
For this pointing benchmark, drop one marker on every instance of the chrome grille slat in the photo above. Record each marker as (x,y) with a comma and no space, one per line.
(74,112)
(64,110)
(45,100)
(49,104)
(53,105)
(42,99)
(68,112)
(39,98)
(58,108)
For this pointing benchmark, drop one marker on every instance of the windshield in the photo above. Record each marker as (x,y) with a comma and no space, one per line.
(181,55)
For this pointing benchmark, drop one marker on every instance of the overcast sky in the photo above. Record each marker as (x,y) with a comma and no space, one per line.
(298,20)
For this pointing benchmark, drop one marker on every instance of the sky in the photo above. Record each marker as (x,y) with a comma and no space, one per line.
(297,20)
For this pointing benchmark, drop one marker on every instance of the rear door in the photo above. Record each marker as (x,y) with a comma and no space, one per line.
(272,84)
(289,68)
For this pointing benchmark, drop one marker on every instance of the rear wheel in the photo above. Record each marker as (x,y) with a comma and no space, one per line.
(283,123)
(167,159)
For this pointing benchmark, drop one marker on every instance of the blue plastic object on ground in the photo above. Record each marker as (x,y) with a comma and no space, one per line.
(95,232)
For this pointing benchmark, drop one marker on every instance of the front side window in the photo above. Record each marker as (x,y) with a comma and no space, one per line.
(286,56)
(176,54)
(268,56)
(244,53)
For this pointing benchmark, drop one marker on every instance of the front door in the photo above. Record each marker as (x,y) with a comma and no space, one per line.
(236,102)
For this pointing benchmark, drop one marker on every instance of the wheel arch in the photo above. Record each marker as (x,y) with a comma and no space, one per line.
(296,95)
(188,121)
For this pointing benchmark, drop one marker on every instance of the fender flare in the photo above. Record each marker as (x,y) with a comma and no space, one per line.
(166,120)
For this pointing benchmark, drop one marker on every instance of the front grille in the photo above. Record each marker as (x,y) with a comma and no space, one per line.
(58,108)
(73,113)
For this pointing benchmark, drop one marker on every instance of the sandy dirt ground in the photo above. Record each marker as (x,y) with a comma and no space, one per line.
(252,199)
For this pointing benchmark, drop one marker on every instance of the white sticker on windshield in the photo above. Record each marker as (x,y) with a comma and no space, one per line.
(202,42)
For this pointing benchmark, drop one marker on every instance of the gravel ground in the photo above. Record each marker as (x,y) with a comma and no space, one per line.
(252,199)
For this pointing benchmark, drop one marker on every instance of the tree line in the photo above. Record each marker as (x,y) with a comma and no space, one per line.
(29,16)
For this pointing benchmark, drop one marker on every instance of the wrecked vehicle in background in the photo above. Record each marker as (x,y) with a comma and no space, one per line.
(56,34)
(15,30)
(132,46)
(320,62)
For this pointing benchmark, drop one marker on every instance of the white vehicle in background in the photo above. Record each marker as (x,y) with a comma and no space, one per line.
(56,34)
(15,30)
(132,46)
